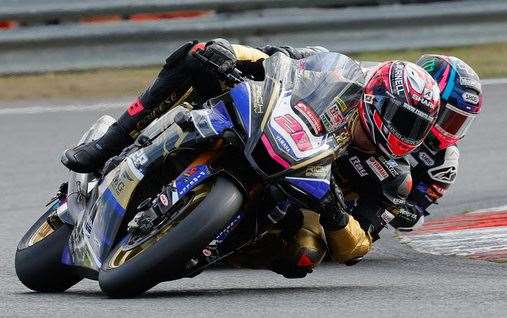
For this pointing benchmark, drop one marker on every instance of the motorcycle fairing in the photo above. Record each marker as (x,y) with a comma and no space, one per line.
(315,187)
(211,121)
(188,180)
(93,237)
(286,134)
(241,98)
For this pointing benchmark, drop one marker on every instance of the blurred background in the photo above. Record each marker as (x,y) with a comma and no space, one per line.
(64,63)
(74,49)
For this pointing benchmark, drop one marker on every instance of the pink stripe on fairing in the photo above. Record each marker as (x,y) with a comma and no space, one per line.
(443,81)
(272,152)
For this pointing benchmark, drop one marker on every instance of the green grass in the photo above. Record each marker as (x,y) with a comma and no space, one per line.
(489,60)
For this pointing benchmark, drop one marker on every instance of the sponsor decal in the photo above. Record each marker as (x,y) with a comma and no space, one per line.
(390,165)
(418,112)
(164,200)
(368,99)
(341,104)
(443,174)
(117,185)
(471,98)
(428,93)
(192,176)
(135,108)
(342,138)
(470,82)
(356,163)
(319,172)
(139,158)
(423,101)
(398,78)
(311,117)
(332,118)
(377,168)
(397,201)
(190,171)
(302,141)
(283,143)
(228,229)
(426,159)
(288,123)
(387,216)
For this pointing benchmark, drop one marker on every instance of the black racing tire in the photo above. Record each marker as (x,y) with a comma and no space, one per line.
(38,266)
(166,259)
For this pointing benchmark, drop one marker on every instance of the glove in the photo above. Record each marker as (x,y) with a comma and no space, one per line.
(220,52)
(407,218)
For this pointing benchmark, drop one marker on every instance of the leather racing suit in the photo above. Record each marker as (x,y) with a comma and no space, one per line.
(433,172)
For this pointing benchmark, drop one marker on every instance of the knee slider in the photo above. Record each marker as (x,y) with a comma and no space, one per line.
(349,243)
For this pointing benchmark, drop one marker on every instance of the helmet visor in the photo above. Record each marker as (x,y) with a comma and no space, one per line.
(408,123)
(453,122)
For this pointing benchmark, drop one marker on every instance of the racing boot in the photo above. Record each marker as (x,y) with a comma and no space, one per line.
(170,85)
(91,156)
(305,248)
(349,244)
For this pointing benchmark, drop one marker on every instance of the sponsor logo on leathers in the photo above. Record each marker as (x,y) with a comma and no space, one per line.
(426,159)
(356,163)
(377,168)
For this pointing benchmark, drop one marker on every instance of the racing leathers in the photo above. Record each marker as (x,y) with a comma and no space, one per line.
(184,79)
(433,172)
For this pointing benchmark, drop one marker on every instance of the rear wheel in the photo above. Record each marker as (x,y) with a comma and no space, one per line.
(38,257)
(136,264)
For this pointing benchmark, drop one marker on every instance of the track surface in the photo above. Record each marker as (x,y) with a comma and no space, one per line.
(392,281)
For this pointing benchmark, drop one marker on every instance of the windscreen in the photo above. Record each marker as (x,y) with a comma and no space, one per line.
(329,83)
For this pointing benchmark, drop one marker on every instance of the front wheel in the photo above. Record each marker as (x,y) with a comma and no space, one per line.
(136,265)
(38,258)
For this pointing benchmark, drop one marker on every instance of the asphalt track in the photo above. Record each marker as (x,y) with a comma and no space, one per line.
(393,281)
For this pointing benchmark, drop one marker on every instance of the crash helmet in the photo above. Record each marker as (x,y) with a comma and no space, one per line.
(460,95)
(399,106)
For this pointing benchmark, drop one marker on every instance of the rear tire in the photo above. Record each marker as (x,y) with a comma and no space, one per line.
(38,263)
(167,257)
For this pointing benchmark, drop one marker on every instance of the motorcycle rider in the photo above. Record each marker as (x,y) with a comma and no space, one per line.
(394,92)
(435,163)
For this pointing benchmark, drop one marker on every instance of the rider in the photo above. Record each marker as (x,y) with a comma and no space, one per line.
(396,93)
(172,86)
(435,163)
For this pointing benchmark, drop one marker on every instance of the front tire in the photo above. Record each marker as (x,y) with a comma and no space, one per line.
(38,258)
(127,275)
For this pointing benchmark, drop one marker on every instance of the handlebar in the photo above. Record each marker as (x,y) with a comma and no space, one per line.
(235,76)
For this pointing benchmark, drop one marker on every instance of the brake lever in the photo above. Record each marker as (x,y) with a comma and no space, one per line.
(235,76)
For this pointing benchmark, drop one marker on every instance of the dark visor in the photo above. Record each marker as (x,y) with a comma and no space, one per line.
(405,121)
(454,122)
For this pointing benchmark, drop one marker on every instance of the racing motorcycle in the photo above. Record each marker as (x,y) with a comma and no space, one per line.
(199,184)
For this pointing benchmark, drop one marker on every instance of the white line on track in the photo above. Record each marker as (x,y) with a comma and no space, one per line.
(106,106)
(57,109)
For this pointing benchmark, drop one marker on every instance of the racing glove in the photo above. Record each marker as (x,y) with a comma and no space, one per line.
(220,52)
(407,217)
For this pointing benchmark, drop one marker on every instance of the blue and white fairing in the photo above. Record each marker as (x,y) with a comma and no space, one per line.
(297,117)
